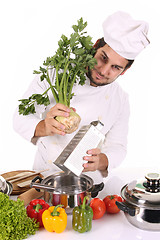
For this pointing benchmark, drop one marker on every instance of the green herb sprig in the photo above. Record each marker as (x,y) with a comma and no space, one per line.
(70,63)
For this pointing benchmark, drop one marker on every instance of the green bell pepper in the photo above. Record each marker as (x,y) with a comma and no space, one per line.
(82,217)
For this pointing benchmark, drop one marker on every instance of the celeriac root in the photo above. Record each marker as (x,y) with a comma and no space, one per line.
(71,123)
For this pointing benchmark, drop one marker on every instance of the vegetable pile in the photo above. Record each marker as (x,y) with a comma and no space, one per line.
(17,222)
(14,222)
(69,65)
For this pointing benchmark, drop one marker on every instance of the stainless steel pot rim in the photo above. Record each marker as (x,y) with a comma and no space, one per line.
(71,184)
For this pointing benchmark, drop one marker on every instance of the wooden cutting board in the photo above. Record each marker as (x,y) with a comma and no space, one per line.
(18,190)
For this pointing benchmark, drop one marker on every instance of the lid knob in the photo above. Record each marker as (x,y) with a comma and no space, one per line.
(153,182)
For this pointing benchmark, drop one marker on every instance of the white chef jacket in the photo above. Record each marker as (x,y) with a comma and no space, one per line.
(108,103)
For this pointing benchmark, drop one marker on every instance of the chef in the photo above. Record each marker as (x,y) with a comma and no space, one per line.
(101,98)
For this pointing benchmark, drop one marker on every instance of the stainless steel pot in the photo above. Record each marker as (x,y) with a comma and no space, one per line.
(66,189)
(142,202)
(5,186)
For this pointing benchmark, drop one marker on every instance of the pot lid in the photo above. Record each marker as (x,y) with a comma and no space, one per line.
(143,192)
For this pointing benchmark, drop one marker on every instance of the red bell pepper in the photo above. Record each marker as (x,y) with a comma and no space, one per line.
(35,209)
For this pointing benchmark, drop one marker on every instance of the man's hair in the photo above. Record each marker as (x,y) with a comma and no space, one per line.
(100,43)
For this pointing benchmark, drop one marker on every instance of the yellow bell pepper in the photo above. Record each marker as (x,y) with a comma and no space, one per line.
(55,219)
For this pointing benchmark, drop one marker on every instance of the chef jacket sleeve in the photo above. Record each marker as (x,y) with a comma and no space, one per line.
(115,144)
(25,125)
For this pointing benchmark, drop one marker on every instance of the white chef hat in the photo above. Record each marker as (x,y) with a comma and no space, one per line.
(126,36)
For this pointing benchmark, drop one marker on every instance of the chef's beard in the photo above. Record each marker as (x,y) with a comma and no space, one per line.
(89,75)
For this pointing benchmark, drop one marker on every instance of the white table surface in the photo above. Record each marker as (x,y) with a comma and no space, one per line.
(110,226)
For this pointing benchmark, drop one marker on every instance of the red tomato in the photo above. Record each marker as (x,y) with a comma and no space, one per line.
(98,207)
(110,203)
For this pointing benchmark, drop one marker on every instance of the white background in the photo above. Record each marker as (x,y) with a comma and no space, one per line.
(30,31)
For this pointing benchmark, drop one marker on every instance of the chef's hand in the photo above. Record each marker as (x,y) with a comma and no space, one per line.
(95,161)
(50,126)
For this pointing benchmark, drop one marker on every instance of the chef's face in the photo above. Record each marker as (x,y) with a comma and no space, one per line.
(109,66)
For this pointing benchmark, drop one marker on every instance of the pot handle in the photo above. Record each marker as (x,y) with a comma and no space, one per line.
(34,180)
(131,210)
(42,186)
(95,189)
